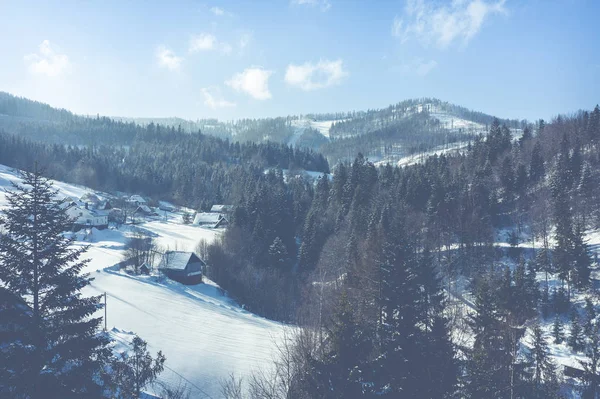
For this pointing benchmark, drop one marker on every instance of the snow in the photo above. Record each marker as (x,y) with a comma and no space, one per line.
(308,174)
(206,218)
(422,156)
(300,125)
(203,333)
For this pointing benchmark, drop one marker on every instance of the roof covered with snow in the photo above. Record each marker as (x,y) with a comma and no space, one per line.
(178,260)
(137,198)
(143,209)
(221,208)
(207,218)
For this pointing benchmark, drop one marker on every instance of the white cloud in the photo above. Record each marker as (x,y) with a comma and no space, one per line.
(310,76)
(213,98)
(167,59)
(47,61)
(202,42)
(323,4)
(252,81)
(208,42)
(431,22)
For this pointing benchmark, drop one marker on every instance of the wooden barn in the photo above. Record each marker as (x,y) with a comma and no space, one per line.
(185,267)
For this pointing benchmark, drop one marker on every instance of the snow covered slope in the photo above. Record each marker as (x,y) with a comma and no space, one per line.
(301,124)
(202,332)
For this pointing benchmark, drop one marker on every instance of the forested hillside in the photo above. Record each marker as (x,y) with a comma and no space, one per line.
(388,257)
(194,170)
(408,127)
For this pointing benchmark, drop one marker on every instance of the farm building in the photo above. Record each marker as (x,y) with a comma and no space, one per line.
(90,199)
(144,210)
(184,267)
(209,219)
(166,206)
(219,208)
(104,206)
(137,200)
(85,217)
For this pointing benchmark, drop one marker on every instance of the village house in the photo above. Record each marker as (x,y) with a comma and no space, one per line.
(84,216)
(104,206)
(90,199)
(218,208)
(137,200)
(185,267)
(166,206)
(209,219)
(144,210)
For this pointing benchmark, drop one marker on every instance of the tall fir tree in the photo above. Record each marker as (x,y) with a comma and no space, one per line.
(591,366)
(558,331)
(544,379)
(343,368)
(488,369)
(39,264)
(576,339)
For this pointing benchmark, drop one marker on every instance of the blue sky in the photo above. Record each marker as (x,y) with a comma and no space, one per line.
(237,59)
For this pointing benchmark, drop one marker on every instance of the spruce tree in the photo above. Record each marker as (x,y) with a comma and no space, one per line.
(590,316)
(581,259)
(438,360)
(135,370)
(536,165)
(545,383)
(39,264)
(591,366)
(575,340)
(558,331)
(397,368)
(488,369)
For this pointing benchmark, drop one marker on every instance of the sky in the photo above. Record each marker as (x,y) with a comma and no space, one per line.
(249,59)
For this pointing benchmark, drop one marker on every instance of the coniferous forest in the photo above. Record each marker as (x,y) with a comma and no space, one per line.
(395,277)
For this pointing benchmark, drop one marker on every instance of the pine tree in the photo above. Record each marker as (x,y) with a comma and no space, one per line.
(536,165)
(278,255)
(396,368)
(558,331)
(438,360)
(39,264)
(136,370)
(488,370)
(575,340)
(590,316)
(581,259)
(338,370)
(545,382)
(591,366)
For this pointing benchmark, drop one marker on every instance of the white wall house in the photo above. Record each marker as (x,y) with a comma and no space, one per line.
(87,217)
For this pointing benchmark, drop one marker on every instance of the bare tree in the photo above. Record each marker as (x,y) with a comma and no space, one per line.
(232,388)
(179,391)
(140,249)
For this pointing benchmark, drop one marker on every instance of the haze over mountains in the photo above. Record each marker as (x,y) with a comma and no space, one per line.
(388,134)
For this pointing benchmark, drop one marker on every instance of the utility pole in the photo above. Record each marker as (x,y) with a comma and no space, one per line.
(105,311)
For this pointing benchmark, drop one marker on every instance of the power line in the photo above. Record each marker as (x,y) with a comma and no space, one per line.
(191,383)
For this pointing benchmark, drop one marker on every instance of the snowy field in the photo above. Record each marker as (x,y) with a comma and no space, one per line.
(203,333)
